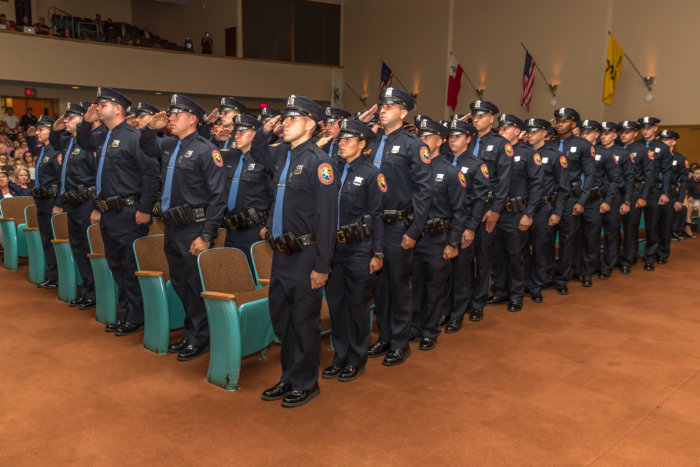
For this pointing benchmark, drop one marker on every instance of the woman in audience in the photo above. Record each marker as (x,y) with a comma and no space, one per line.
(20,182)
(5,185)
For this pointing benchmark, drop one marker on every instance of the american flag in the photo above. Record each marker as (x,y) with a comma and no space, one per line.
(528,81)
(386,77)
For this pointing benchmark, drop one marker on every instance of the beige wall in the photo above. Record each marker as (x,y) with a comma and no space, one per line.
(118,10)
(9,9)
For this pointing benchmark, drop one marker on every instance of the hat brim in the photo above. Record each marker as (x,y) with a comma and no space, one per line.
(242,127)
(532,129)
(347,134)
(480,112)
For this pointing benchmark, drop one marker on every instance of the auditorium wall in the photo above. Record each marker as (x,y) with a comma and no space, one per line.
(118,10)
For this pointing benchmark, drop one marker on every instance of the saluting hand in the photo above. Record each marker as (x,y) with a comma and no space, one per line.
(223,134)
(368,114)
(31,131)
(60,124)
(272,123)
(465,117)
(211,118)
(91,115)
(159,121)
(323,141)
(318,280)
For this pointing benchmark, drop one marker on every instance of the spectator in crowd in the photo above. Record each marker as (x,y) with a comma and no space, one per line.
(207,44)
(6,164)
(55,32)
(188,45)
(26,22)
(146,33)
(28,161)
(28,119)
(41,27)
(20,181)
(3,149)
(4,188)
(10,119)
(3,21)
(67,33)
(692,199)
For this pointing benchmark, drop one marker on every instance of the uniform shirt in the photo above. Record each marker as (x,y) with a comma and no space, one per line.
(255,186)
(663,161)
(362,194)
(580,157)
(643,160)
(82,164)
(555,176)
(526,180)
(607,173)
(497,153)
(449,196)
(127,170)
(406,166)
(49,166)
(624,162)
(477,186)
(679,175)
(310,195)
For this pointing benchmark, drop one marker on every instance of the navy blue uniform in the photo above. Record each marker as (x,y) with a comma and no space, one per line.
(350,284)
(663,162)
(430,270)
(612,220)
(678,183)
(310,207)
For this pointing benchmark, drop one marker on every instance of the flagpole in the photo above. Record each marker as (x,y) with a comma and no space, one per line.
(632,63)
(362,99)
(401,83)
(552,87)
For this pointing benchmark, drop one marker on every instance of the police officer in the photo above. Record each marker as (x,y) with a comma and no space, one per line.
(359,251)
(678,183)
(228,109)
(144,114)
(524,197)
(539,247)
(333,116)
(302,229)
(47,186)
(602,197)
(660,192)
(193,203)
(78,174)
(496,155)
(442,235)
(405,162)
(459,289)
(642,160)
(580,157)
(126,187)
(612,220)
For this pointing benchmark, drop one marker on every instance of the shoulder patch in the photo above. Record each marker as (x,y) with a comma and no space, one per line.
(687,166)
(425,155)
(562,160)
(462,179)
(615,158)
(325,173)
(537,158)
(60,159)
(218,160)
(651,154)
(381,182)
(592,151)
(509,150)
(485,170)
(274,145)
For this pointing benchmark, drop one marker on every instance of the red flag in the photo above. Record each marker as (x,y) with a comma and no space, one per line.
(454,82)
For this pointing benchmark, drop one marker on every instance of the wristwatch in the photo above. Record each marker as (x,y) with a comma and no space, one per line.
(627,203)
(205,237)
(454,244)
(379,255)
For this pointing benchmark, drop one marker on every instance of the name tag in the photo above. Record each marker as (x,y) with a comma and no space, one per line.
(77,151)
(657,149)
(465,170)
(675,162)
(395,149)
(516,158)
(545,160)
(357,181)
(251,167)
(115,143)
(489,147)
(572,149)
(439,177)
(617,158)
(597,157)
(188,154)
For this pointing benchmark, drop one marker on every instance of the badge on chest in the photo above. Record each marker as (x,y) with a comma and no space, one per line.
(115,143)
(439,177)
(357,181)
(298,169)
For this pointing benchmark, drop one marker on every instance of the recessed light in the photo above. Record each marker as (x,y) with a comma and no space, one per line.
(75,87)
(158,93)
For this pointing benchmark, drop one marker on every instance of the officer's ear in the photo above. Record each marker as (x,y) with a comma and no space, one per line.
(404,112)
(310,124)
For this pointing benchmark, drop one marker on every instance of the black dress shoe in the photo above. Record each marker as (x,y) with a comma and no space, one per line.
(175,347)
(350,372)
(453,327)
(377,349)
(48,284)
(76,302)
(625,270)
(476,315)
(112,327)
(444,320)
(297,397)
(127,328)
(662,261)
(276,392)
(603,275)
(649,267)
(496,301)
(191,352)
(515,305)
(427,343)
(331,372)
(537,297)
(87,304)
(396,356)
(563,290)
(587,281)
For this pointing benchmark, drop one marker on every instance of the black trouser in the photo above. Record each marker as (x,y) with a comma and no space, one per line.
(666,218)
(347,292)
(295,309)
(630,226)
(538,252)
(652,215)
(119,230)
(184,277)
(459,285)
(392,292)
(588,239)
(569,225)
(429,284)
(679,218)
(243,240)
(78,223)
(43,214)
(509,266)
(484,243)
(611,242)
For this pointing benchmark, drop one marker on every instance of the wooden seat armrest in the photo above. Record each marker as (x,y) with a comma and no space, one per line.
(59,240)
(95,255)
(149,273)
(264,281)
(218,295)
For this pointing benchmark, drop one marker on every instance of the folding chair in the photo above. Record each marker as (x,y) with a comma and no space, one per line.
(68,276)
(35,253)
(105,287)
(12,225)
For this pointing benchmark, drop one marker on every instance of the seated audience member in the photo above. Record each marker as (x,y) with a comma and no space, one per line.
(5,186)
(20,182)
(10,120)
(692,200)
(41,27)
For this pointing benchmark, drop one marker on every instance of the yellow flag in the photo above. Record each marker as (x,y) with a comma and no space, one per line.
(612,70)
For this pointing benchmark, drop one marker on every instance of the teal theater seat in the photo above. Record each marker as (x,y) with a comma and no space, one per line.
(68,275)
(11,221)
(238,313)
(106,295)
(37,261)
(162,308)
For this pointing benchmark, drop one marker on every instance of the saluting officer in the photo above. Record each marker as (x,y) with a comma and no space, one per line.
(333,116)
(126,188)
(539,247)
(459,289)
(604,189)
(496,153)
(47,186)
(229,108)
(302,231)
(144,114)
(77,177)
(441,238)
(405,162)
(678,183)
(660,192)
(193,202)
(524,196)
(359,251)
(580,157)
(642,160)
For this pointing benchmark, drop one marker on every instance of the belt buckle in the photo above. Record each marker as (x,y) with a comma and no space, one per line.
(340,236)
(104,205)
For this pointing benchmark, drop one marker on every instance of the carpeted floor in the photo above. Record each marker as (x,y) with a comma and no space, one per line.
(605,376)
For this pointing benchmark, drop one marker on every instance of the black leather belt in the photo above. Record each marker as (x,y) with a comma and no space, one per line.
(289,243)
(76,197)
(515,205)
(436,226)
(240,221)
(597,193)
(550,198)
(490,198)
(392,216)
(638,186)
(44,192)
(355,232)
(179,216)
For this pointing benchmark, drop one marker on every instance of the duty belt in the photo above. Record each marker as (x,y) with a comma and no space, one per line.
(575,189)
(44,192)
(392,216)
(550,198)
(179,216)
(597,193)
(240,221)
(289,243)
(76,197)
(638,186)
(436,226)
(490,198)
(113,203)
(355,232)
(515,205)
